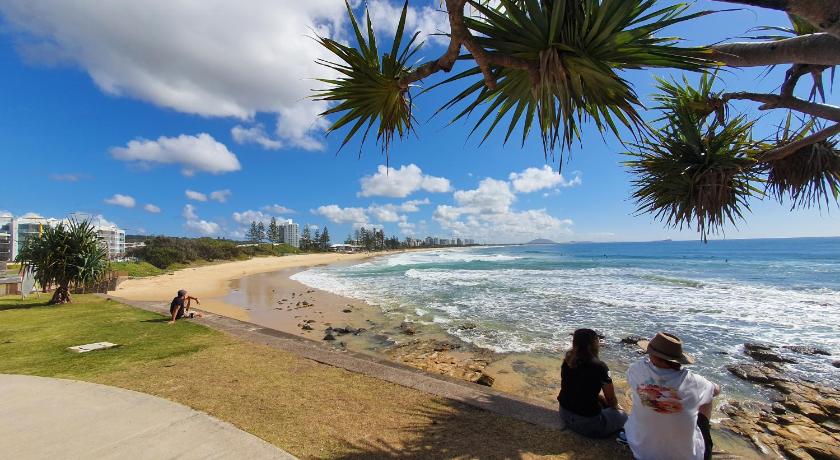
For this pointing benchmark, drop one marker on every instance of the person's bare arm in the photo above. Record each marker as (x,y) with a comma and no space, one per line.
(609,395)
(706,409)
(174,314)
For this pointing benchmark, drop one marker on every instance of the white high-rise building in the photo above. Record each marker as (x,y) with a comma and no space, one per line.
(15,230)
(289,233)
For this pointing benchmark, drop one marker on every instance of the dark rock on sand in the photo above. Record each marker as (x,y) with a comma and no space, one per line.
(359,331)
(306,327)
(347,310)
(329,336)
(806,350)
(632,340)
(408,328)
(485,380)
(758,373)
(765,353)
(467,326)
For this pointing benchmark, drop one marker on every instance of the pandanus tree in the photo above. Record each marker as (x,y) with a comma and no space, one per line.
(552,65)
(65,256)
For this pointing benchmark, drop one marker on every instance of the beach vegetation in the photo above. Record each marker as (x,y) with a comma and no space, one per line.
(551,66)
(168,252)
(67,255)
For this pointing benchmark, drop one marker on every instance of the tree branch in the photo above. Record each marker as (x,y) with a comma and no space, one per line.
(773,101)
(823,14)
(788,149)
(460,35)
(817,49)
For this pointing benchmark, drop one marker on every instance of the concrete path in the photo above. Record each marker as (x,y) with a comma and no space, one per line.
(536,412)
(44,418)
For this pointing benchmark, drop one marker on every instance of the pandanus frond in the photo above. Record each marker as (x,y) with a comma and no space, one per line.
(579,47)
(809,176)
(367,90)
(697,170)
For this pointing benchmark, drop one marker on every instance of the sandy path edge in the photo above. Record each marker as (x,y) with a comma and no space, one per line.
(211,283)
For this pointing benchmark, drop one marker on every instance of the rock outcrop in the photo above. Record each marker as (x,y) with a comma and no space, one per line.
(803,422)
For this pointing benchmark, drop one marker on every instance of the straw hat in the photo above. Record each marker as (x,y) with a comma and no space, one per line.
(668,347)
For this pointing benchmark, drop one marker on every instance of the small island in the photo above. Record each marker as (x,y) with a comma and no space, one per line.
(541,241)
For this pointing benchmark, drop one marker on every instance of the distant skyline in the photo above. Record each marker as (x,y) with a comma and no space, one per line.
(165,121)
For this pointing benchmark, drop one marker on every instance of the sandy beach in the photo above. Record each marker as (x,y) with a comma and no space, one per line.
(212,283)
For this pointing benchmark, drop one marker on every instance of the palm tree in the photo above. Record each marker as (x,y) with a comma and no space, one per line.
(65,256)
(552,65)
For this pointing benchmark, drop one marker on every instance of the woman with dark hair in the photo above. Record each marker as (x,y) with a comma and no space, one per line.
(583,379)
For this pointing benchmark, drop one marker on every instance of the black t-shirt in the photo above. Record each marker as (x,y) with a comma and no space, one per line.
(579,387)
(177,303)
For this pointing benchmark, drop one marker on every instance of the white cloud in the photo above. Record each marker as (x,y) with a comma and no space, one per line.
(151,208)
(220,195)
(399,183)
(534,179)
(68,177)
(211,58)
(32,215)
(203,227)
(505,227)
(193,153)
(428,20)
(197,225)
(339,215)
(246,217)
(189,212)
(121,200)
(413,205)
(406,228)
(254,135)
(193,195)
(278,209)
(485,213)
(384,214)
(491,196)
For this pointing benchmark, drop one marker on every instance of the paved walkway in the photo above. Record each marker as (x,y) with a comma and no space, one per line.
(57,419)
(536,412)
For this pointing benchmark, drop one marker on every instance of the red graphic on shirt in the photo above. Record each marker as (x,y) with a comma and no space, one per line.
(664,400)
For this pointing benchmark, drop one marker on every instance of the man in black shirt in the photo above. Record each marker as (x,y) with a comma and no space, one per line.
(181,305)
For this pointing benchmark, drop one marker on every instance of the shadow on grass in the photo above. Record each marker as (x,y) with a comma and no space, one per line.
(163,319)
(15,304)
(453,430)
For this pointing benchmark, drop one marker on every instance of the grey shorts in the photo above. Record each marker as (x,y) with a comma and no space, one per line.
(608,422)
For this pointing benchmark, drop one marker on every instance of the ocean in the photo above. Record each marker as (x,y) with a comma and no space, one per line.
(528,299)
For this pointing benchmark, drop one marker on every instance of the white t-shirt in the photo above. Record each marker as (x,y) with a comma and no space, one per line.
(663,423)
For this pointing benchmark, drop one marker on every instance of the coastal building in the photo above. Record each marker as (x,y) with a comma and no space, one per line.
(289,233)
(14,231)
(5,238)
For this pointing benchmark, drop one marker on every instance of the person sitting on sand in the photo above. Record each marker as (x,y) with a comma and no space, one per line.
(671,405)
(583,379)
(180,306)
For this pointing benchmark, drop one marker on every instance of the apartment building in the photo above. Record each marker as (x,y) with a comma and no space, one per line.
(289,233)
(14,231)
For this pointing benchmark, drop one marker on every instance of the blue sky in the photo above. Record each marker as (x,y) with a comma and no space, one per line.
(139,113)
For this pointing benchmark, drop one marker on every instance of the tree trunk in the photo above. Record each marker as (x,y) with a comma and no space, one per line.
(61,294)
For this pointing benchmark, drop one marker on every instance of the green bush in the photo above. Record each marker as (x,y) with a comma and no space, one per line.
(163,252)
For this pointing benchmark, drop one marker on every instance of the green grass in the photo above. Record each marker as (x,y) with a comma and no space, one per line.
(137,268)
(34,337)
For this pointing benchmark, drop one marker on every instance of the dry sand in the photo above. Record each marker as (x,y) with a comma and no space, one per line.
(211,283)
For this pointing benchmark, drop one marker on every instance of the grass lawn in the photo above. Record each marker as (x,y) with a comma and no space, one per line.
(310,409)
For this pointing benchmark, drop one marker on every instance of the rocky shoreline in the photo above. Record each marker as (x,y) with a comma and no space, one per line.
(803,419)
